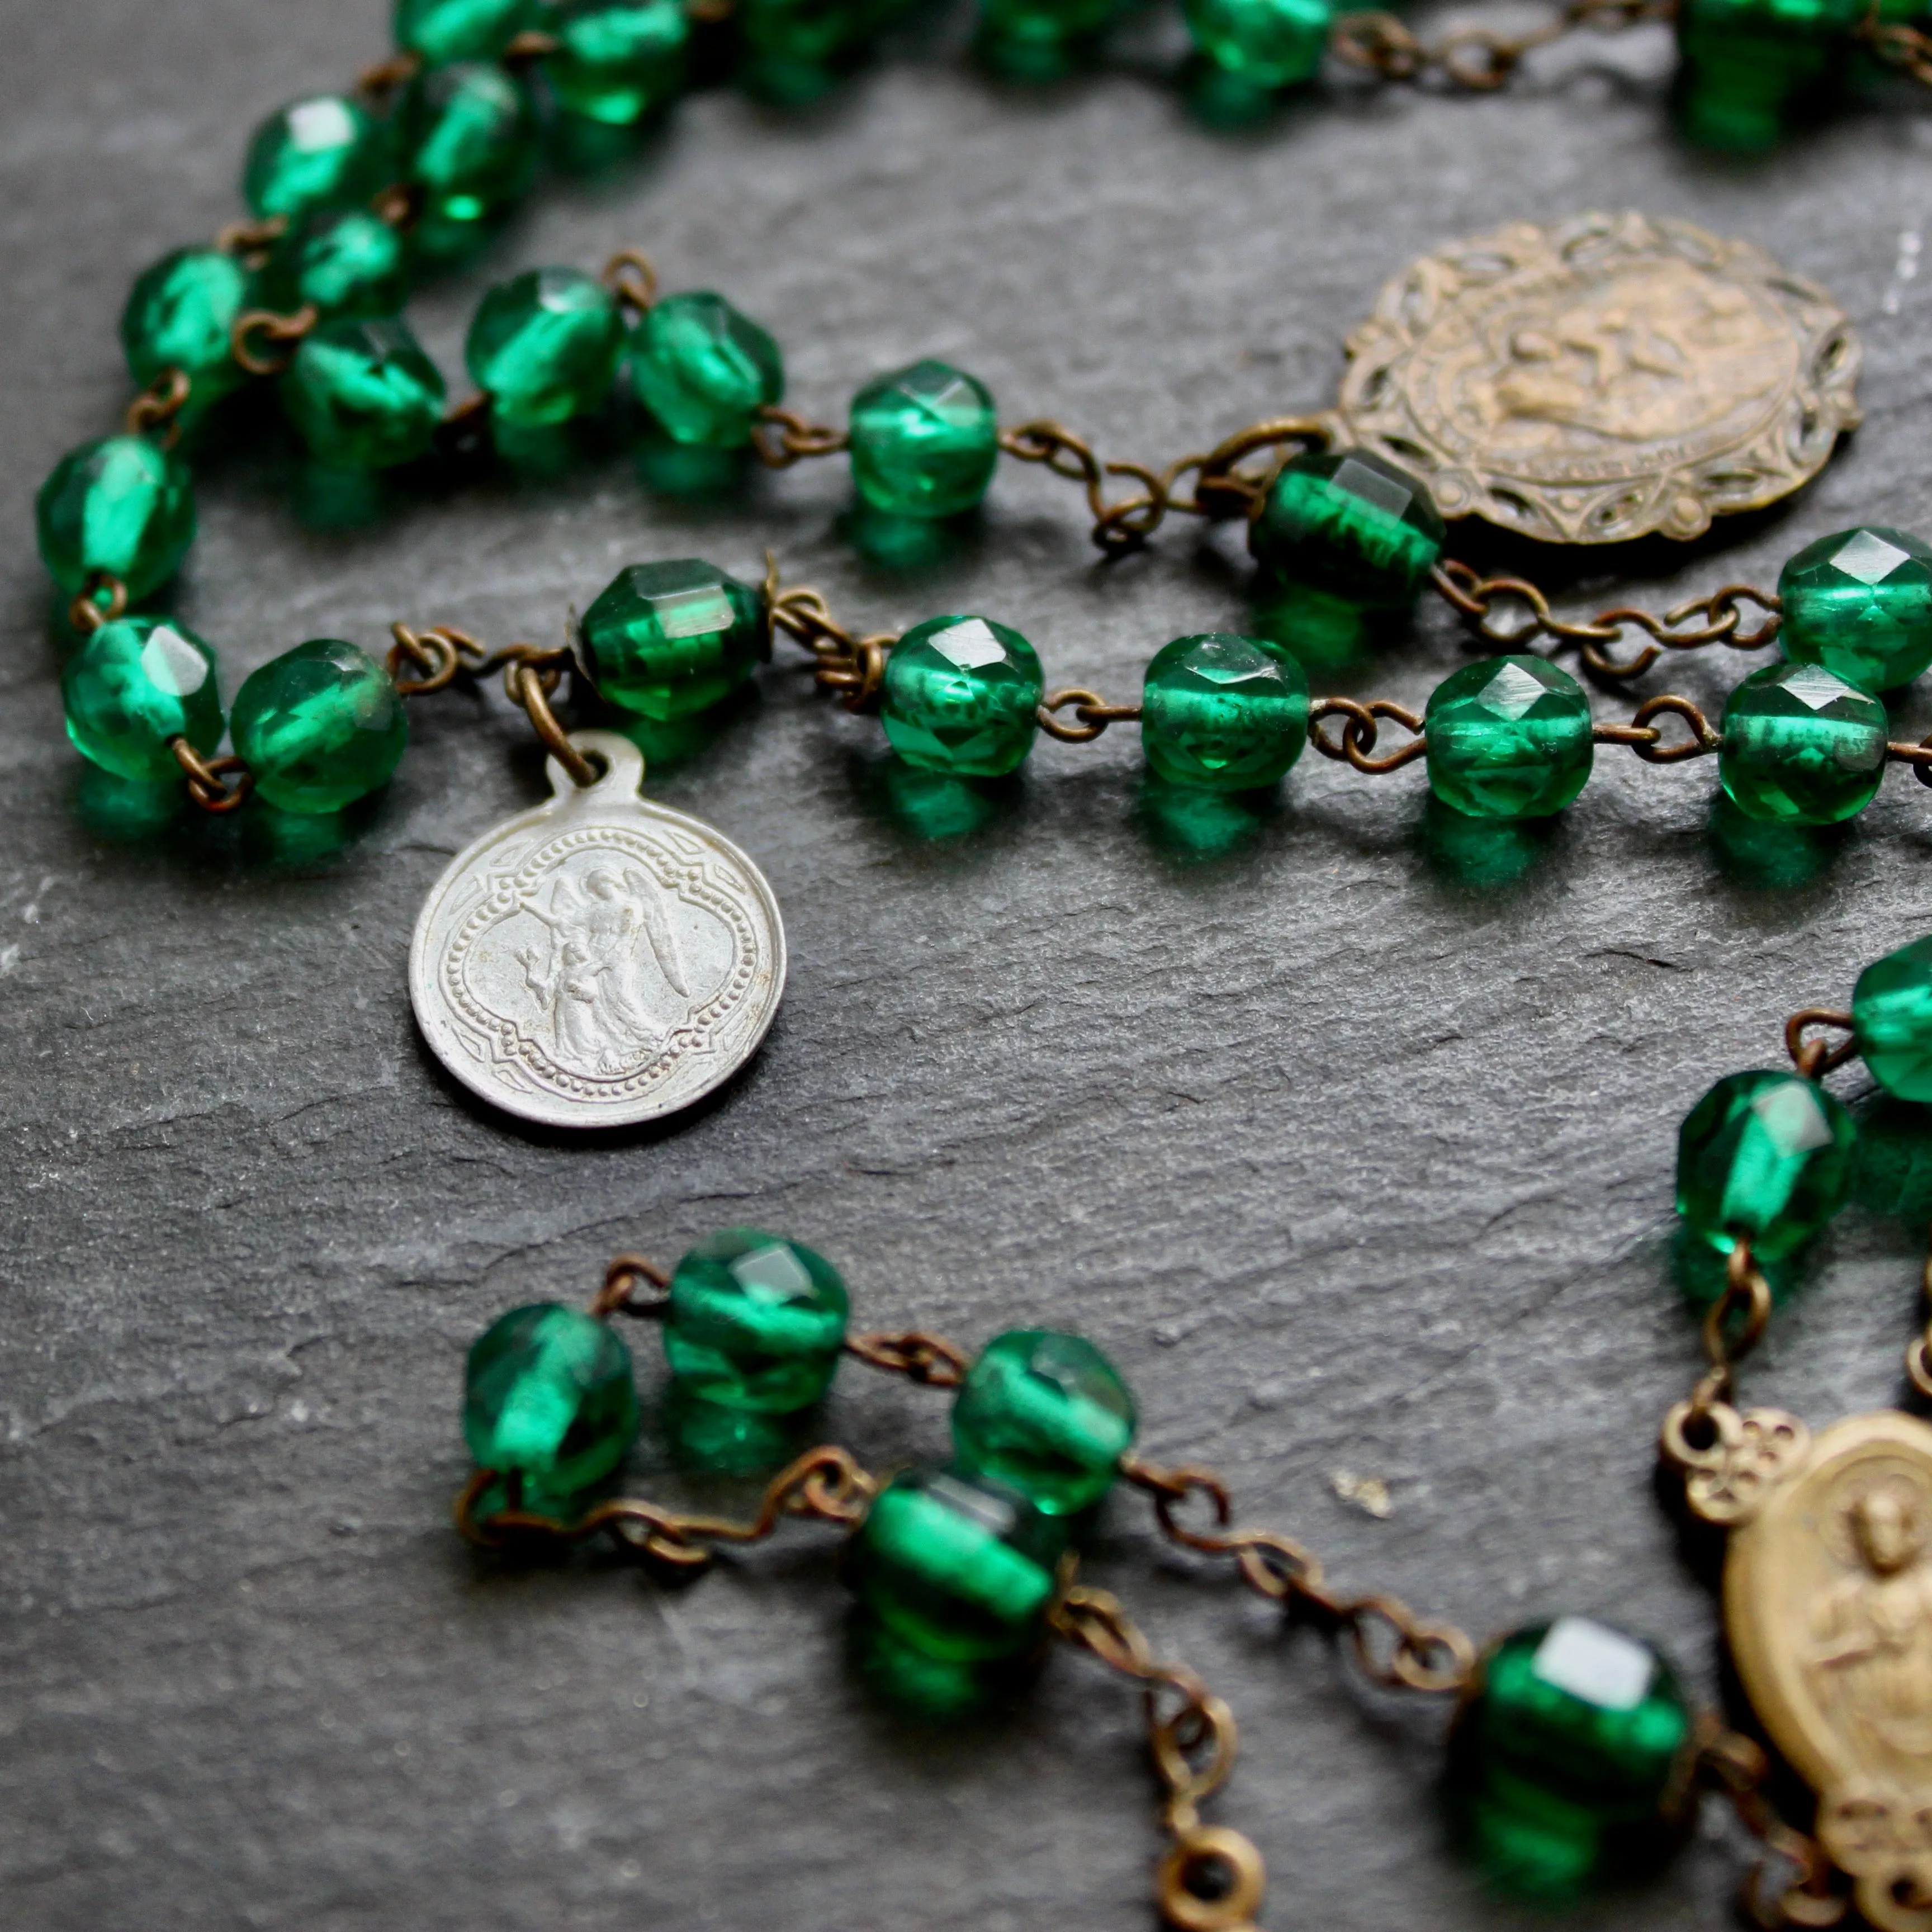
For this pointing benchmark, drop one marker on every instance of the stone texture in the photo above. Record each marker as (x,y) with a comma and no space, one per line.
(1347,1165)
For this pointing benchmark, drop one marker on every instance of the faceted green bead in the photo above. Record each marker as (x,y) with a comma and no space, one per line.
(1860,604)
(544,345)
(549,1394)
(1744,64)
(1046,1414)
(620,61)
(135,684)
(702,370)
(960,1568)
(362,395)
(325,152)
(442,31)
(1571,1758)
(320,726)
(1508,737)
(962,695)
(925,441)
(755,1322)
(670,640)
(1802,746)
(179,315)
(1351,524)
(470,133)
(1891,1020)
(123,506)
(1019,24)
(1268,43)
(349,265)
(1767,1156)
(1226,712)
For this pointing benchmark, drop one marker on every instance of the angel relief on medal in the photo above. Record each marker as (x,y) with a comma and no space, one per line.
(1828,1604)
(600,957)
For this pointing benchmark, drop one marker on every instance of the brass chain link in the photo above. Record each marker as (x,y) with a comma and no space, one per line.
(1708,1419)
(1359,731)
(797,437)
(1738,1769)
(1118,526)
(1721,616)
(1815,1058)
(1908,48)
(630,275)
(1394,1647)
(854,667)
(1918,1350)
(159,406)
(621,1279)
(1477,59)
(286,332)
(1211,1879)
(929,1360)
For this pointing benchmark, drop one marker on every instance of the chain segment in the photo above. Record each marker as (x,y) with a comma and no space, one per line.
(1738,1770)
(1477,59)
(159,406)
(796,437)
(1394,1647)
(1721,620)
(1211,1879)
(1118,526)
(621,1279)
(1359,731)
(1907,49)
(1815,1058)
(283,333)
(1918,1350)
(930,1360)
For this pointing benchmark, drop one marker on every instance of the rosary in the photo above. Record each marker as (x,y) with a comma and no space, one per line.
(601,960)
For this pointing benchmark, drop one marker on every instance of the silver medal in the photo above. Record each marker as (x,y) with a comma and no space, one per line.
(601,960)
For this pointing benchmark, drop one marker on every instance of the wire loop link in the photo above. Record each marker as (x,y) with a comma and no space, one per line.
(1222,488)
(929,1360)
(1918,757)
(1093,712)
(1737,1769)
(385,77)
(440,655)
(1646,739)
(1705,1433)
(1908,48)
(630,277)
(797,437)
(87,613)
(1118,527)
(1476,59)
(1814,1058)
(159,406)
(1420,1655)
(621,1279)
(531,676)
(1721,615)
(824,1484)
(285,331)
(251,241)
(216,784)
(1359,731)
(854,667)
(1918,1350)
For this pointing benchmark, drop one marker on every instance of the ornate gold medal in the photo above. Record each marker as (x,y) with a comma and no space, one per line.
(1596,381)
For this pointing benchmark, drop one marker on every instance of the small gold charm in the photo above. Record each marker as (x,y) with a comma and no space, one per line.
(1828,1605)
(1603,379)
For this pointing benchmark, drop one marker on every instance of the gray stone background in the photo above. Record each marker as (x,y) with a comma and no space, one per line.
(1353,1162)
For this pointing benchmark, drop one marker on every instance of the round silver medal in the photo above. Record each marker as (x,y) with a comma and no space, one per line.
(601,960)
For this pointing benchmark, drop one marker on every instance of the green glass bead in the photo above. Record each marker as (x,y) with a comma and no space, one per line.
(179,315)
(1891,1020)
(442,31)
(810,34)
(136,683)
(670,640)
(324,152)
(755,1322)
(543,346)
(1860,604)
(1020,24)
(1508,737)
(1268,43)
(320,726)
(1570,1757)
(616,63)
(1767,1156)
(1351,524)
(703,371)
(1226,712)
(470,133)
(1801,747)
(960,1568)
(362,395)
(962,695)
(548,1393)
(925,440)
(123,506)
(1047,1414)
(349,265)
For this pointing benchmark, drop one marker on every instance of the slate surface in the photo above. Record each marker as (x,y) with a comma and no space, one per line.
(1354,1163)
